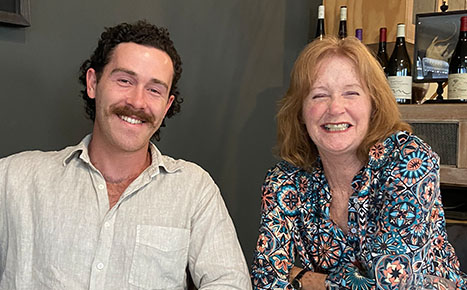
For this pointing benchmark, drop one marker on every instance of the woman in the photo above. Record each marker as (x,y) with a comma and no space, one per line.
(356,199)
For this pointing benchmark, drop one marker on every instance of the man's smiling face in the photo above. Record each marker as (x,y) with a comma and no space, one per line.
(132,96)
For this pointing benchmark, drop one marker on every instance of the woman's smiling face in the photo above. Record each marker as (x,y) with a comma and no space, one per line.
(338,108)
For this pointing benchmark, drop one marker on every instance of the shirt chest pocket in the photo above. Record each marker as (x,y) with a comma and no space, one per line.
(160,257)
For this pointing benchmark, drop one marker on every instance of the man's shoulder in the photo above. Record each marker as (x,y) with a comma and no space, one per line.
(37,157)
(171,164)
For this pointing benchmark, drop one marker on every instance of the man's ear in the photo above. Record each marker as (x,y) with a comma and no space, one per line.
(91,83)
(169,103)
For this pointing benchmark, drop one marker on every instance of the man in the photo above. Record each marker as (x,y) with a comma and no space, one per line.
(113,212)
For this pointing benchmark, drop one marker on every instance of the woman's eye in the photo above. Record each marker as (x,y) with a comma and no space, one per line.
(352,93)
(318,96)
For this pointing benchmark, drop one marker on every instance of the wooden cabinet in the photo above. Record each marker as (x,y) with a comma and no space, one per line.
(371,15)
(367,14)
(444,114)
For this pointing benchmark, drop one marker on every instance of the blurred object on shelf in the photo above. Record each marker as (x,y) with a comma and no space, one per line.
(437,96)
(419,91)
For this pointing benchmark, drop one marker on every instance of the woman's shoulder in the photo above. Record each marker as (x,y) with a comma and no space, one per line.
(398,145)
(402,138)
(285,169)
(286,175)
(408,144)
(286,187)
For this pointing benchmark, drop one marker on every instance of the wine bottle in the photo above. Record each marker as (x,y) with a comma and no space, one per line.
(359,34)
(320,28)
(399,69)
(382,55)
(457,78)
(343,23)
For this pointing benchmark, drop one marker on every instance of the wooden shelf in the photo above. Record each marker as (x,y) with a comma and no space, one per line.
(434,112)
(456,222)
(453,176)
(371,15)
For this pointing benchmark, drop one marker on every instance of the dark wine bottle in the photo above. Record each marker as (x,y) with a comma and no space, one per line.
(343,23)
(399,69)
(382,54)
(457,78)
(320,28)
(359,34)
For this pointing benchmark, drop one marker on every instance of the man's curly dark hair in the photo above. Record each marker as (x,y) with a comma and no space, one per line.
(140,32)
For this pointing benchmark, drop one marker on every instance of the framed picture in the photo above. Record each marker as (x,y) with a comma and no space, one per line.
(15,12)
(436,36)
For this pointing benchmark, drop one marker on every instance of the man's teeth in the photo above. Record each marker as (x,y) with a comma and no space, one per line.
(130,120)
(336,127)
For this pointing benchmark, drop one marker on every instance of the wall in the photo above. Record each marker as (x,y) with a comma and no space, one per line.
(237,57)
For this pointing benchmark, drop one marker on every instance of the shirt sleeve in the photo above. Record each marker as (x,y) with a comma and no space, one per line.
(3,220)
(411,235)
(215,259)
(273,256)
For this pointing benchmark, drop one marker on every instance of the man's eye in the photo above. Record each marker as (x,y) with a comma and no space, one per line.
(124,81)
(155,91)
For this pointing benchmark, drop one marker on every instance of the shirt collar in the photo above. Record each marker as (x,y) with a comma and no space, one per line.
(169,165)
(80,150)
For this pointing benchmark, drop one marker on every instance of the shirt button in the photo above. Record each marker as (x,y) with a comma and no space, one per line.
(100,266)
(107,224)
(101,186)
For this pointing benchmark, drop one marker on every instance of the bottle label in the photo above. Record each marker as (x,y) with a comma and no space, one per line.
(400,30)
(321,12)
(343,13)
(457,86)
(401,86)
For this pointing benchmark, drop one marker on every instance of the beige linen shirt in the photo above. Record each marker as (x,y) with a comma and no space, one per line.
(57,232)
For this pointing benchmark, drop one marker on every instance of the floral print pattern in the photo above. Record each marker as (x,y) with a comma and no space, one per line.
(395,220)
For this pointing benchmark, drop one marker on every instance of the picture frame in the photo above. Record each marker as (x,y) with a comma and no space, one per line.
(15,12)
(436,36)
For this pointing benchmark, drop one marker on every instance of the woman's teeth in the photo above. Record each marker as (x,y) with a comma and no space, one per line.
(336,127)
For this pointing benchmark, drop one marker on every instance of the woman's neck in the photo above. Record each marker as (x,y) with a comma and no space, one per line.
(340,172)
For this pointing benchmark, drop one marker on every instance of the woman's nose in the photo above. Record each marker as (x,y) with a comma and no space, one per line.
(336,106)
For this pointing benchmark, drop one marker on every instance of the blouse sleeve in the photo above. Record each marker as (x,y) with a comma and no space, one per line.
(274,254)
(409,232)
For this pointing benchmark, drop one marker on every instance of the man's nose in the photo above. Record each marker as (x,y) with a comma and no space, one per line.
(136,98)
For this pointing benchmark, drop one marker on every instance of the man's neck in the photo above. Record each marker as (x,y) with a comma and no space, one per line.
(117,165)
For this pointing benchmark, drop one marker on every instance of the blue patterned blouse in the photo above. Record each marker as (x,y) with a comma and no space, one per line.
(396,222)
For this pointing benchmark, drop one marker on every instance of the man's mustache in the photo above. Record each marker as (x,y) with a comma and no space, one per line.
(128,111)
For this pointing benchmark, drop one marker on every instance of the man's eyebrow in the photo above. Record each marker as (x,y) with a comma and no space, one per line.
(132,73)
(159,82)
(116,70)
